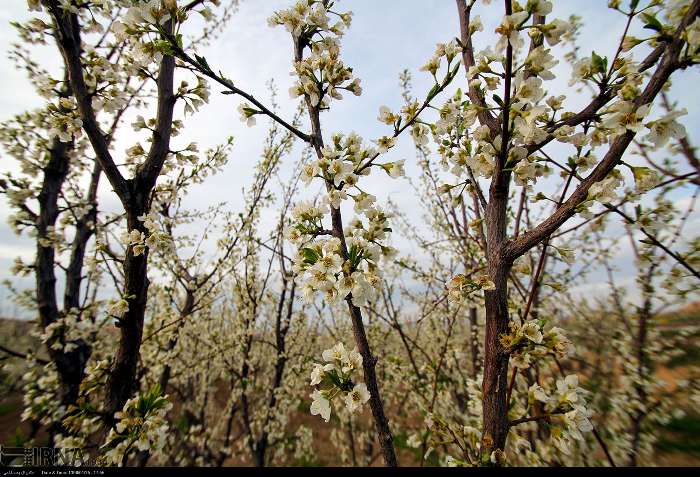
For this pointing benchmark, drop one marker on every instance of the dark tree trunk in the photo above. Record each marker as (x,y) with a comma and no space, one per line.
(495,380)
(69,365)
(134,194)
(121,383)
(84,229)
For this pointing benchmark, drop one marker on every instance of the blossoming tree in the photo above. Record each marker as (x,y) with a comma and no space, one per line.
(473,352)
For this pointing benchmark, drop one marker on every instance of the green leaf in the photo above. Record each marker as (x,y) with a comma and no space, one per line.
(454,71)
(333,377)
(155,390)
(352,254)
(165,47)
(498,100)
(310,255)
(599,64)
(651,22)
(202,61)
(433,90)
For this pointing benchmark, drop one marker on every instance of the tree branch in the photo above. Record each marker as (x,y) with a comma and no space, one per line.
(67,31)
(485,116)
(669,63)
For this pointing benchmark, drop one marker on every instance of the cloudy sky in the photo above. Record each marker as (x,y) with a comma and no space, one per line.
(386,37)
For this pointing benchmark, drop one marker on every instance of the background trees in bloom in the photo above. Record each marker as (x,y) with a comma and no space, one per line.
(310,319)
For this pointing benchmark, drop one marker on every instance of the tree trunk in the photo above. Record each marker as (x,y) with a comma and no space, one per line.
(69,365)
(495,380)
(121,383)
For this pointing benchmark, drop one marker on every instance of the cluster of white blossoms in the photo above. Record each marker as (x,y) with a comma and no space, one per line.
(442,431)
(83,421)
(321,75)
(529,341)
(64,333)
(512,24)
(566,402)
(535,118)
(461,287)
(141,425)
(661,130)
(320,266)
(448,114)
(346,264)
(463,145)
(449,50)
(42,400)
(344,161)
(153,238)
(118,308)
(324,263)
(105,80)
(140,20)
(624,116)
(64,120)
(336,375)
(143,23)
(603,191)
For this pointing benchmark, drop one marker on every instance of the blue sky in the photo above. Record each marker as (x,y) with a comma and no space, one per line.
(386,37)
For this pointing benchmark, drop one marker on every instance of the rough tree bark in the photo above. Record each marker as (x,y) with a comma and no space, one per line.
(135,195)
(69,365)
